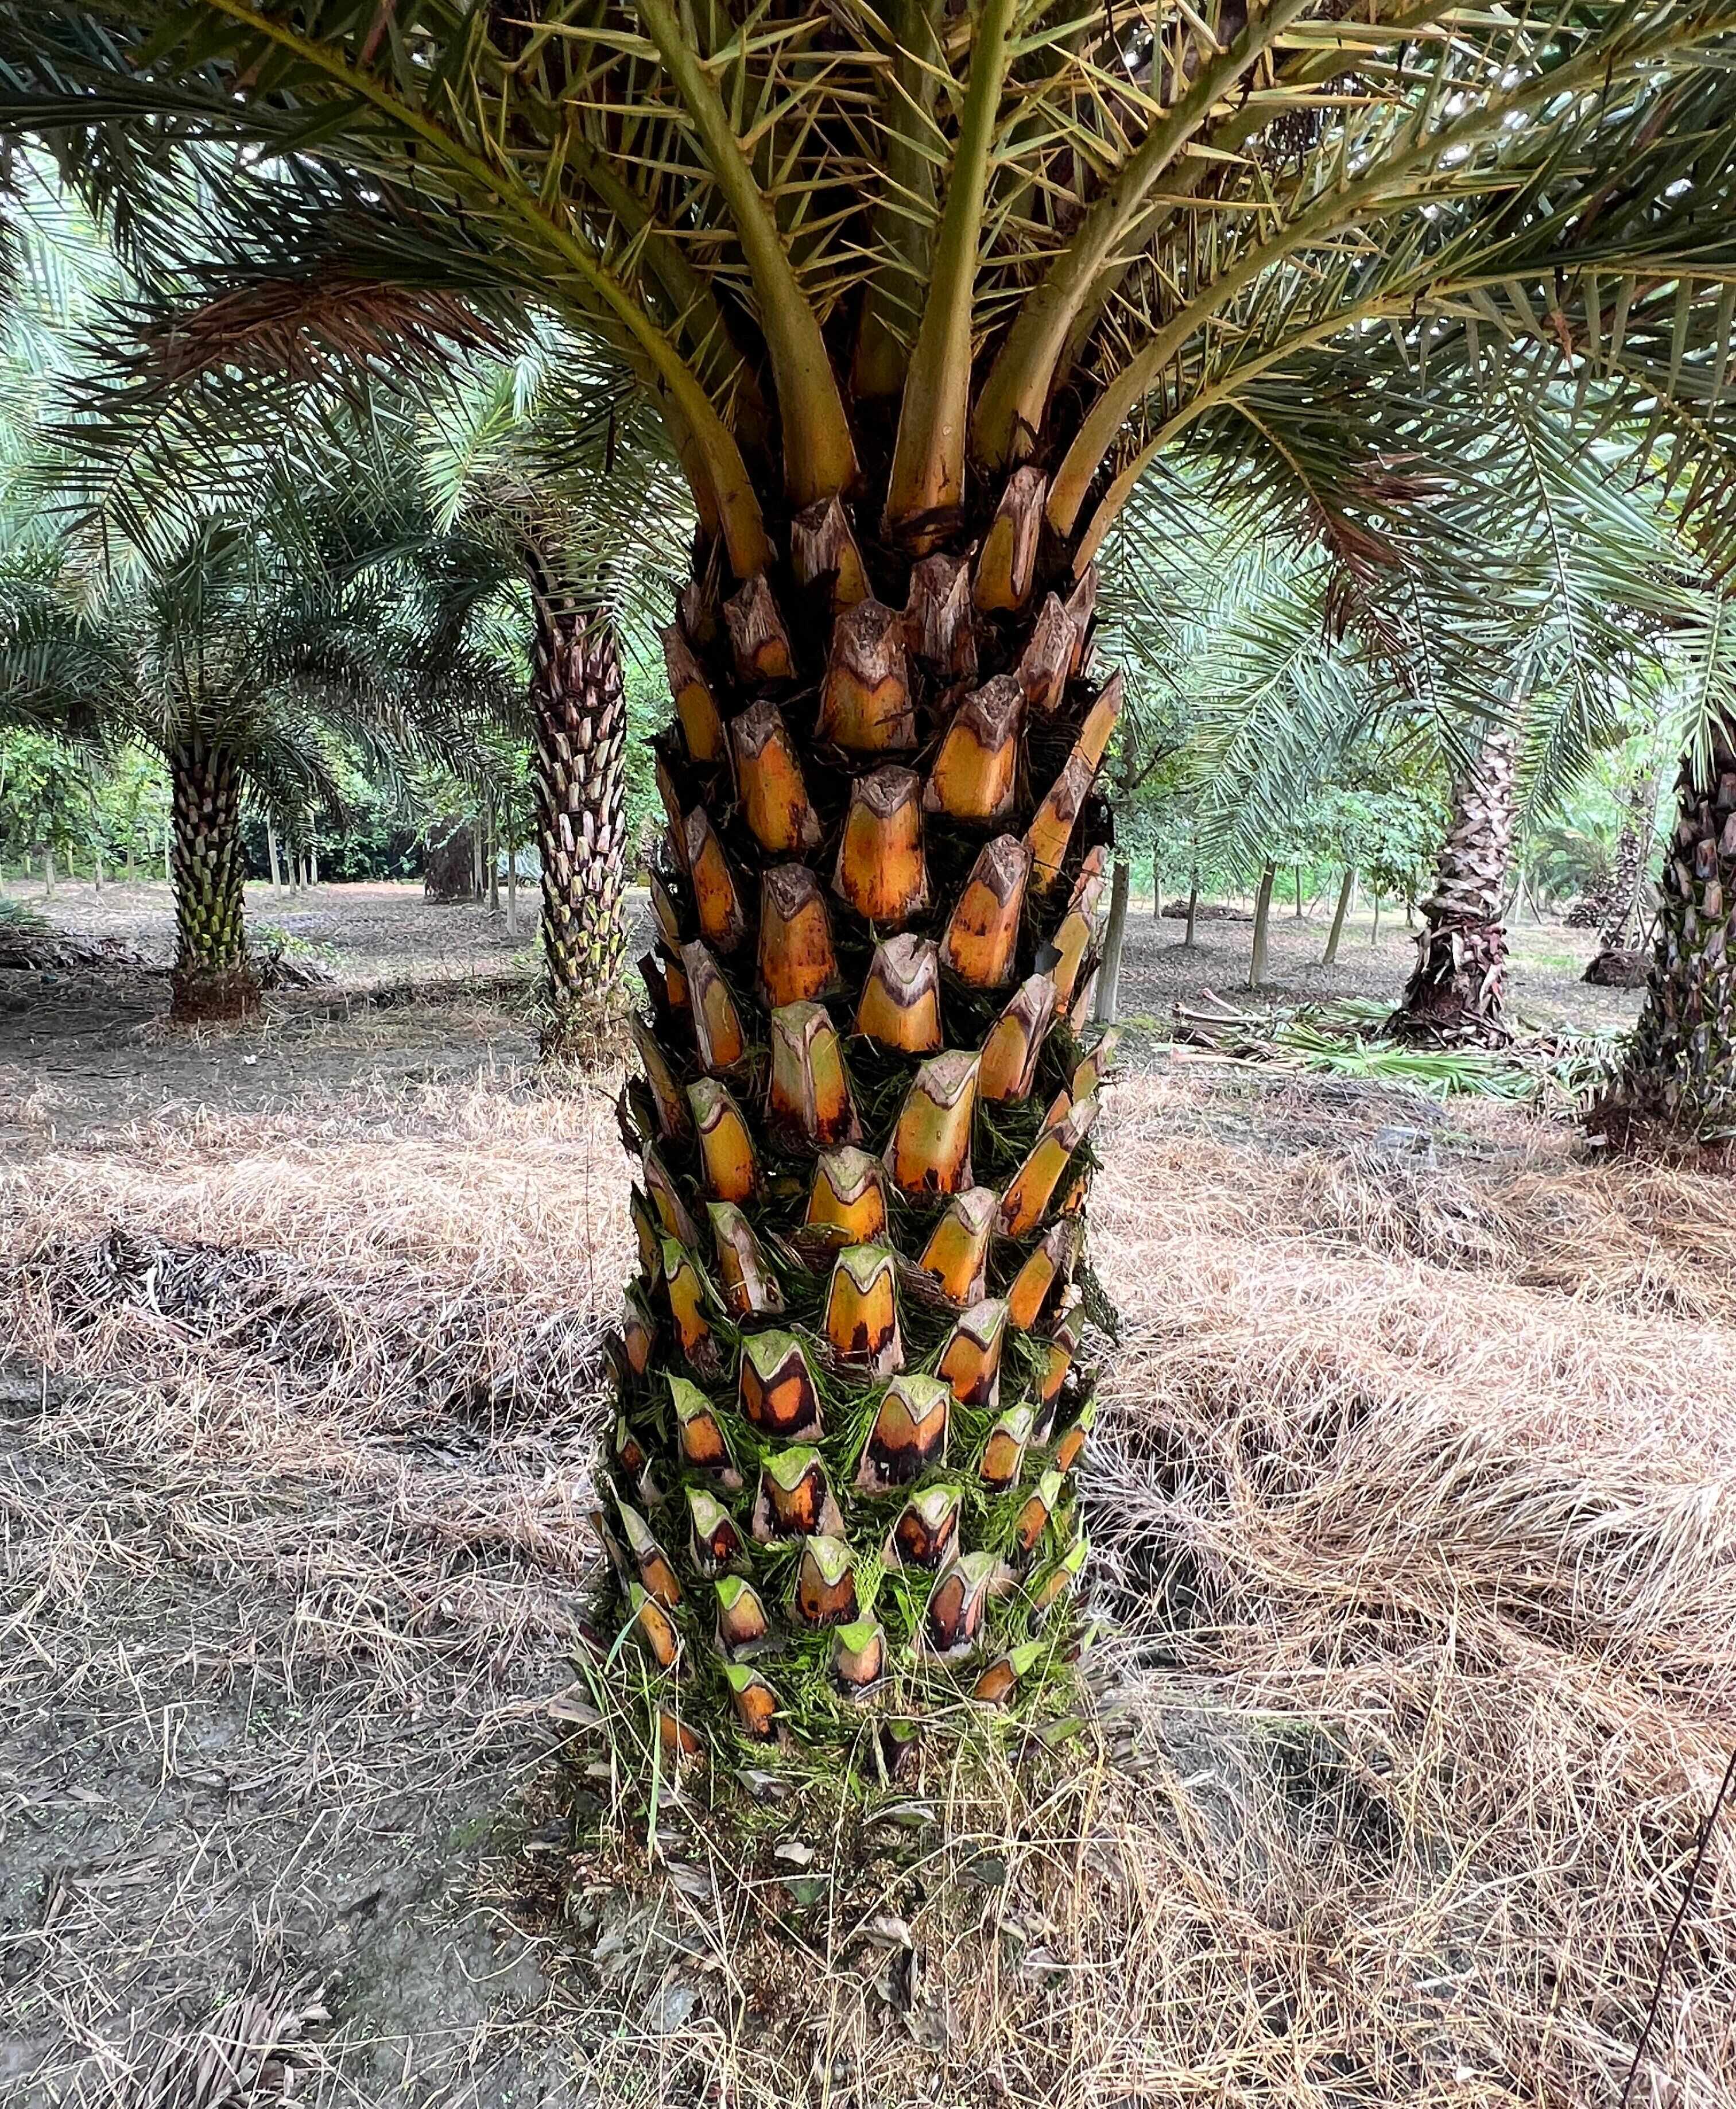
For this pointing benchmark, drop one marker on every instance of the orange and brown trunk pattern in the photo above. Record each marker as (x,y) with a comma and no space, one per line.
(852,1389)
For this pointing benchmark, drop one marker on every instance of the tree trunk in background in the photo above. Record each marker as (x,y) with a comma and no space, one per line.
(1617,961)
(271,852)
(1157,890)
(1299,893)
(1193,908)
(1262,924)
(512,881)
(1453,997)
(1338,914)
(1108,1001)
(578,701)
(98,855)
(313,861)
(48,872)
(494,859)
(212,977)
(449,869)
(1679,1079)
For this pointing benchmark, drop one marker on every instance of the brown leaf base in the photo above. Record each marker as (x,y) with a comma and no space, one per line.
(207,996)
(1453,997)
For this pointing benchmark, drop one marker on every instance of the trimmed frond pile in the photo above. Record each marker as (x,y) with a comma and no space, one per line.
(1557,1072)
(30,944)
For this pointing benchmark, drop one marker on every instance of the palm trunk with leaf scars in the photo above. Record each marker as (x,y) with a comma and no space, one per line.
(1679,1078)
(1453,997)
(852,1382)
(579,707)
(1618,931)
(212,977)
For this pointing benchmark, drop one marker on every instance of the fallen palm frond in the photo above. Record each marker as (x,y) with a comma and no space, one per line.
(30,944)
(1557,1072)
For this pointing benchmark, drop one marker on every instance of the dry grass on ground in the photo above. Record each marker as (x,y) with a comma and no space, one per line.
(1414,1507)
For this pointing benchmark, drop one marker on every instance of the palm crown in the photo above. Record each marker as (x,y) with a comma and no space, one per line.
(907,249)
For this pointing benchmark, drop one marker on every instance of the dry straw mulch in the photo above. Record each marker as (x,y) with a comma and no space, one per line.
(1413,1506)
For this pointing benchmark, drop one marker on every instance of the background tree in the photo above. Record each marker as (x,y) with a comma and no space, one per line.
(1678,1071)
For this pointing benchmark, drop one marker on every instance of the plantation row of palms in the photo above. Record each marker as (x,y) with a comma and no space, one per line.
(1385,351)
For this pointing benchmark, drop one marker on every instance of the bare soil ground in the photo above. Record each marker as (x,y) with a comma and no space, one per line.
(1544,989)
(1414,1516)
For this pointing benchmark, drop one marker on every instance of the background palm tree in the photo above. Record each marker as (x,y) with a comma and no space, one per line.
(201,619)
(531,493)
(918,300)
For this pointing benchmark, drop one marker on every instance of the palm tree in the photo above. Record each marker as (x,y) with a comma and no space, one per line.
(200,622)
(1516,562)
(1621,918)
(1454,993)
(1677,1081)
(226,655)
(551,460)
(919,296)
(537,482)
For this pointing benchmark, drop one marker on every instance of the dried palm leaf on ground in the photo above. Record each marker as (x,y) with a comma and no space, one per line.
(1555,1072)
(30,944)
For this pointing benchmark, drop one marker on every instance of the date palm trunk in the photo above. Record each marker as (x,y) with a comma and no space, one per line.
(1262,927)
(579,706)
(1679,1078)
(1617,959)
(852,1380)
(213,977)
(1453,997)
